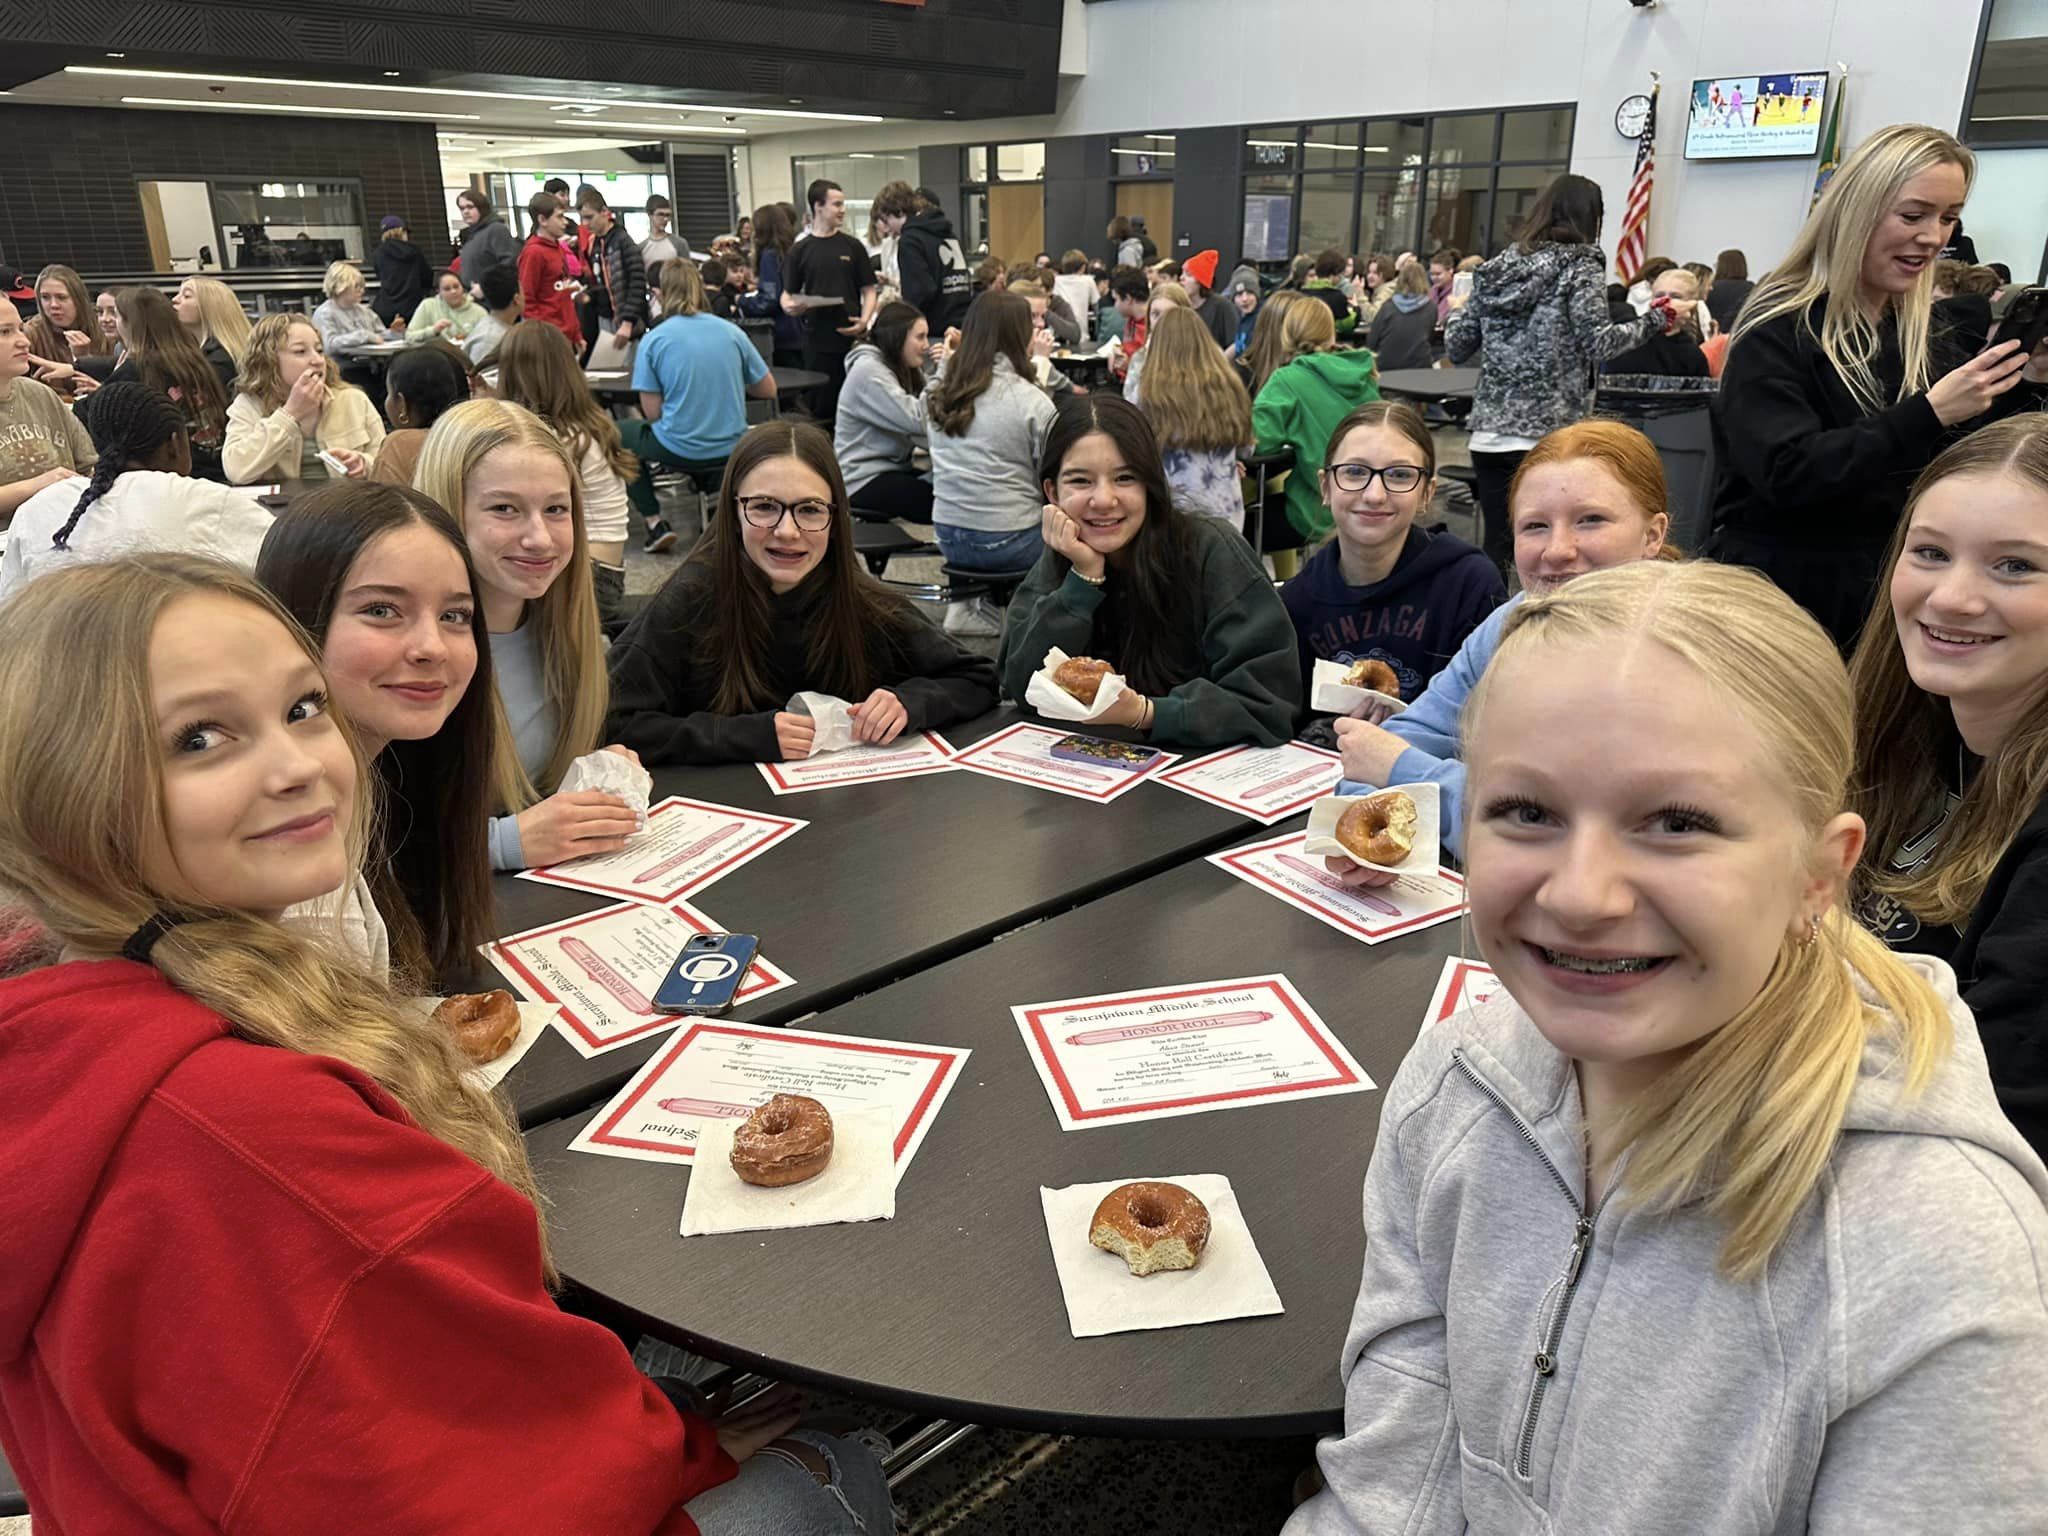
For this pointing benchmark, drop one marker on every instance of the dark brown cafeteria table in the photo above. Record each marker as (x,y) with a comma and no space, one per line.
(1430,385)
(953,1306)
(887,879)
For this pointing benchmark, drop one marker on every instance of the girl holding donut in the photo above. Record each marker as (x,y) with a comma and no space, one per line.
(1732,1230)
(1586,497)
(293,406)
(1838,388)
(380,577)
(1177,604)
(1951,680)
(1381,588)
(771,603)
(510,483)
(262,1142)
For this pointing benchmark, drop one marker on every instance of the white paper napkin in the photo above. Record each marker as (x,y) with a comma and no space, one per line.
(1102,1294)
(1331,695)
(859,1184)
(1422,858)
(832,721)
(533,1019)
(1055,703)
(614,775)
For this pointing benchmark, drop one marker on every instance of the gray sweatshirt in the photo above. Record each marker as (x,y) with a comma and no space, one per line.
(878,424)
(1886,1373)
(987,479)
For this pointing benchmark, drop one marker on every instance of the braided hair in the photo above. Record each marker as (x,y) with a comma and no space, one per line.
(129,423)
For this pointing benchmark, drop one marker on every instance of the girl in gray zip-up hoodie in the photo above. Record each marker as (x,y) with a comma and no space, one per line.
(1639,1264)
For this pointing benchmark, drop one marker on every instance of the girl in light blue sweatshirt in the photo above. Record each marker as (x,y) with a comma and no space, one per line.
(1588,496)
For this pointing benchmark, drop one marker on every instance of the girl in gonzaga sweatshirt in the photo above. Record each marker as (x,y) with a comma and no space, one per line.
(1177,604)
(1383,589)
(230,1132)
(1953,745)
(771,603)
(1719,1196)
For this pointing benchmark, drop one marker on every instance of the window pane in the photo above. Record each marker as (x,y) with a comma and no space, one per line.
(1456,210)
(1269,220)
(289,223)
(1020,162)
(977,163)
(1393,141)
(1467,136)
(2010,105)
(1543,135)
(1271,149)
(1388,220)
(973,229)
(1326,213)
(1514,194)
(1141,154)
(1329,147)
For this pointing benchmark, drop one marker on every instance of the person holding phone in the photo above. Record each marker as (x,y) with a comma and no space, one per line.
(773,602)
(1838,388)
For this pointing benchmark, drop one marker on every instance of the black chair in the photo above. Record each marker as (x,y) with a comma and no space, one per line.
(997,586)
(1264,467)
(12,1500)
(705,477)
(879,543)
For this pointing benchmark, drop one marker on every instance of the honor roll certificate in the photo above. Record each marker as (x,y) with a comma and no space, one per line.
(1267,784)
(716,1072)
(1024,755)
(605,966)
(904,758)
(1182,1050)
(687,845)
(1372,914)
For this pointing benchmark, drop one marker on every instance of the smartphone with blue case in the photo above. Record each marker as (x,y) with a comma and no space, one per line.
(707,974)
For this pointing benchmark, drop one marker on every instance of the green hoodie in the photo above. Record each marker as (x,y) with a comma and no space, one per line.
(1299,408)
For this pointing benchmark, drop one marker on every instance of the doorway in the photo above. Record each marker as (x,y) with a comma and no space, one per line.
(1016,222)
(1154,200)
(177,216)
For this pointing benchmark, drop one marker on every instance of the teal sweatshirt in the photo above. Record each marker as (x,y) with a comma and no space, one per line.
(1299,408)
(1247,684)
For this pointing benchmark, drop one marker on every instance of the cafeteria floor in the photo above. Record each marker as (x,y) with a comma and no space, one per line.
(1006,1483)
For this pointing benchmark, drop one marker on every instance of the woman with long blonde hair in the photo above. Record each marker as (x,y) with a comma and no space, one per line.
(1951,680)
(510,482)
(1838,388)
(231,1130)
(541,372)
(208,308)
(1710,1221)
(1201,414)
(293,412)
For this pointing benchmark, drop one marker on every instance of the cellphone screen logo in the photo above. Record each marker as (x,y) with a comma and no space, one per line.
(702,971)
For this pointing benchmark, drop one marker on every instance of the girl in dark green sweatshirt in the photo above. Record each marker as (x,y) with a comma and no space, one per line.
(1177,605)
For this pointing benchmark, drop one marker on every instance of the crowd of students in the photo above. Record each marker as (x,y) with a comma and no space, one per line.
(1767,889)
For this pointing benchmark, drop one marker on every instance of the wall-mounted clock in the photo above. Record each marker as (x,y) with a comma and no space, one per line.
(1632,116)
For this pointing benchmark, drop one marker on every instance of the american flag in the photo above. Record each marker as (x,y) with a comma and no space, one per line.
(1634,248)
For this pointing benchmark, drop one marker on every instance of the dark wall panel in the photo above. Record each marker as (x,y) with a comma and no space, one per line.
(71,174)
(1208,210)
(1077,194)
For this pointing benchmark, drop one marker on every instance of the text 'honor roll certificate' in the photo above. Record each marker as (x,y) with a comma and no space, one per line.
(1182,1050)
(687,845)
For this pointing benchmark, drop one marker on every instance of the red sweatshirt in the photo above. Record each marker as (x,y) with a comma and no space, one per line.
(242,1293)
(541,266)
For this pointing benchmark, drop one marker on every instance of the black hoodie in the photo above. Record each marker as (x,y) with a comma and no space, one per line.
(403,278)
(1414,619)
(934,270)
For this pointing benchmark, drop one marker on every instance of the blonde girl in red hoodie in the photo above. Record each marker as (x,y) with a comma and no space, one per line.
(272,1265)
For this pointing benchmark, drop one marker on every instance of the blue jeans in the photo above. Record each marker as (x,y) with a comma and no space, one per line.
(974,550)
(774,1497)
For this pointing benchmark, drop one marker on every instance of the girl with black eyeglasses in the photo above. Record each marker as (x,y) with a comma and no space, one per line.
(1380,588)
(771,603)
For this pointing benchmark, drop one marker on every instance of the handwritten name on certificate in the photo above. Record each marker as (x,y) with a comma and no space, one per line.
(1183,1050)
(1267,784)
(716,1071)
(687,845)
(605,967)
(1371,914)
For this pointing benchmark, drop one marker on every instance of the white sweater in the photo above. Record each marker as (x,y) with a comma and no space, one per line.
(143,512)
(268,446)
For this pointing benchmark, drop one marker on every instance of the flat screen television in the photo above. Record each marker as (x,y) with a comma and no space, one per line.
(1756,117)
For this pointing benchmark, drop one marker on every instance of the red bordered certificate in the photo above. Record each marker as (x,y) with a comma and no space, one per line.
(605,966)
(1268,784)
(687,845)
(1023,754)
(907,757)
(717,1071)
(1464,984)
(1372,914)
(1183,1050)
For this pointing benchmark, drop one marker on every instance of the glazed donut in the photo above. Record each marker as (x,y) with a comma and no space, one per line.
(1151,1226)
(1380,829)
(1375,675)
(1081,676)
(785,1141)
(484,1023)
